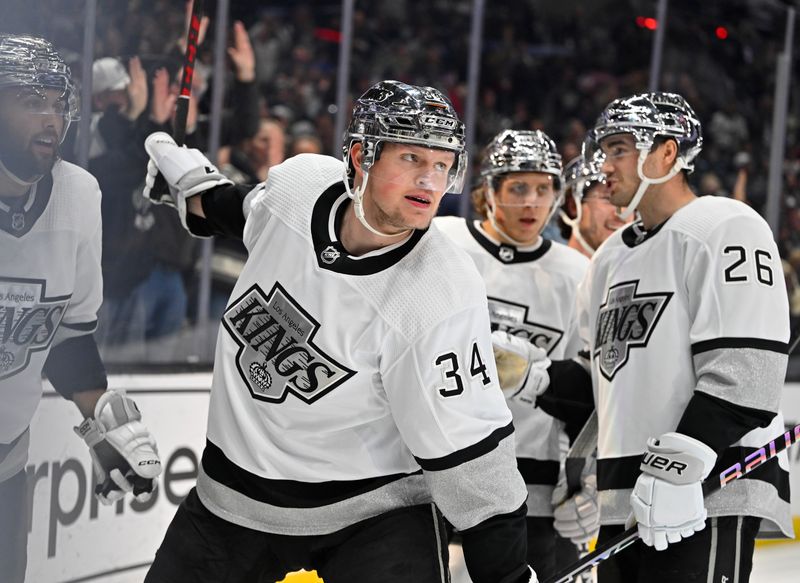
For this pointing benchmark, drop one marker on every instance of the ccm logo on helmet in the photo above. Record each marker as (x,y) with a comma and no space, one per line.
(435,121)
(663,463)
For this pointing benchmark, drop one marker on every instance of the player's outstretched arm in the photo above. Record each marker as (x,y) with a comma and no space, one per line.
(207,202)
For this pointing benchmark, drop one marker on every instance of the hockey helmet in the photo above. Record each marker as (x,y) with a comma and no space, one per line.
(392,111)
(579,175)
(521,151)
(32,62)
(649,115)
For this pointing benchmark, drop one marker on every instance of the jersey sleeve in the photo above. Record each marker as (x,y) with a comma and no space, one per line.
(80,317)
(447,403)
(739,330)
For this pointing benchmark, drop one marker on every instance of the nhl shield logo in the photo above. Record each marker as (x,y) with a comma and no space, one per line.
(625,321)
(506,253)
(329,255)
(18,221)
(277,355)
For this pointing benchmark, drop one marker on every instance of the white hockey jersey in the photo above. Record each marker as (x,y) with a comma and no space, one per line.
(685,322)
(531,293)
(50,290)
(337,378)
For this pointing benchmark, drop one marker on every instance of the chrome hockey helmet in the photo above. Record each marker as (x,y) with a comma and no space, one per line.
(647,116)
(578,177)
(32,62)
(513,151)
(392,111)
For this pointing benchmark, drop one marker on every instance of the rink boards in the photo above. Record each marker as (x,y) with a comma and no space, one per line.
(74,539)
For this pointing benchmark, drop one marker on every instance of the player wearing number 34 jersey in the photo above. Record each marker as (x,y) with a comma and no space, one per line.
(354,383)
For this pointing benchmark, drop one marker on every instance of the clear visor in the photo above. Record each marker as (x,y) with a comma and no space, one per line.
(418,167)
(516,193)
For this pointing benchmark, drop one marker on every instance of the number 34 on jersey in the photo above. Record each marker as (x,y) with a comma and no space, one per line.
(455,373)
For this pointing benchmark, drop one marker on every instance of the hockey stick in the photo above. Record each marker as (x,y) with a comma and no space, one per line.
(712,484)
(182,106)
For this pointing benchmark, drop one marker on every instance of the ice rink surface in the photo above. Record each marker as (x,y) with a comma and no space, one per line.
(774,563)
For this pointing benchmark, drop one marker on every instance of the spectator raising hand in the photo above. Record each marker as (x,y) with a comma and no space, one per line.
(242,55)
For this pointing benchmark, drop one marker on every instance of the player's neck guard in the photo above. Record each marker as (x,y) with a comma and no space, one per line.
(645,183)
(357,195)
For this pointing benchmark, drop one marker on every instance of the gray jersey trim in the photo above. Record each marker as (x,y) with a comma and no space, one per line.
(740,498)
(481,488)
(540,500)
(237,508)
(744,376)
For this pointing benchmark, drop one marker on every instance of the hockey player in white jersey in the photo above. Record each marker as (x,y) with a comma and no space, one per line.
(686,317)
(50,290)
(354,392)
(531,284)
(587,212)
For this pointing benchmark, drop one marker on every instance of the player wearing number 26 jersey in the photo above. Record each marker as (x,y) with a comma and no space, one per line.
(686,317)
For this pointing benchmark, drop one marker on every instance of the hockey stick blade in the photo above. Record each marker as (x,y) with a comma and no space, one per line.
(712,484)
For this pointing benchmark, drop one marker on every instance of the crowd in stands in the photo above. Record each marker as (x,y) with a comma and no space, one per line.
(545,65)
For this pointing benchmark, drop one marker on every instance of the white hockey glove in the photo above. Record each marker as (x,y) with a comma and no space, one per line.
(124,454)
(187,173)
(577,517)
(521,367)
(667,499)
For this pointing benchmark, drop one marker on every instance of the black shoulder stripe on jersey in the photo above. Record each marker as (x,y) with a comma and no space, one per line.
(81,326)
(286,493)
(719,423)
(621,473)
(222,207)
(74,365)
(18,222)
(757,343)
(507,254)
(332,255)
(538,472)
(461,456)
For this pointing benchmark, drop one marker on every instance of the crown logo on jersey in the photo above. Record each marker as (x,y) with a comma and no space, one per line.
(513,318)
(329,255)
(277,355)
(28,321)
(626,320)
(506,253)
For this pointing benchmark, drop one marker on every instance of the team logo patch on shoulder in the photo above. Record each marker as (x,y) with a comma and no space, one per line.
(277,355)
(626,320)
(28,321)
(513,318)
